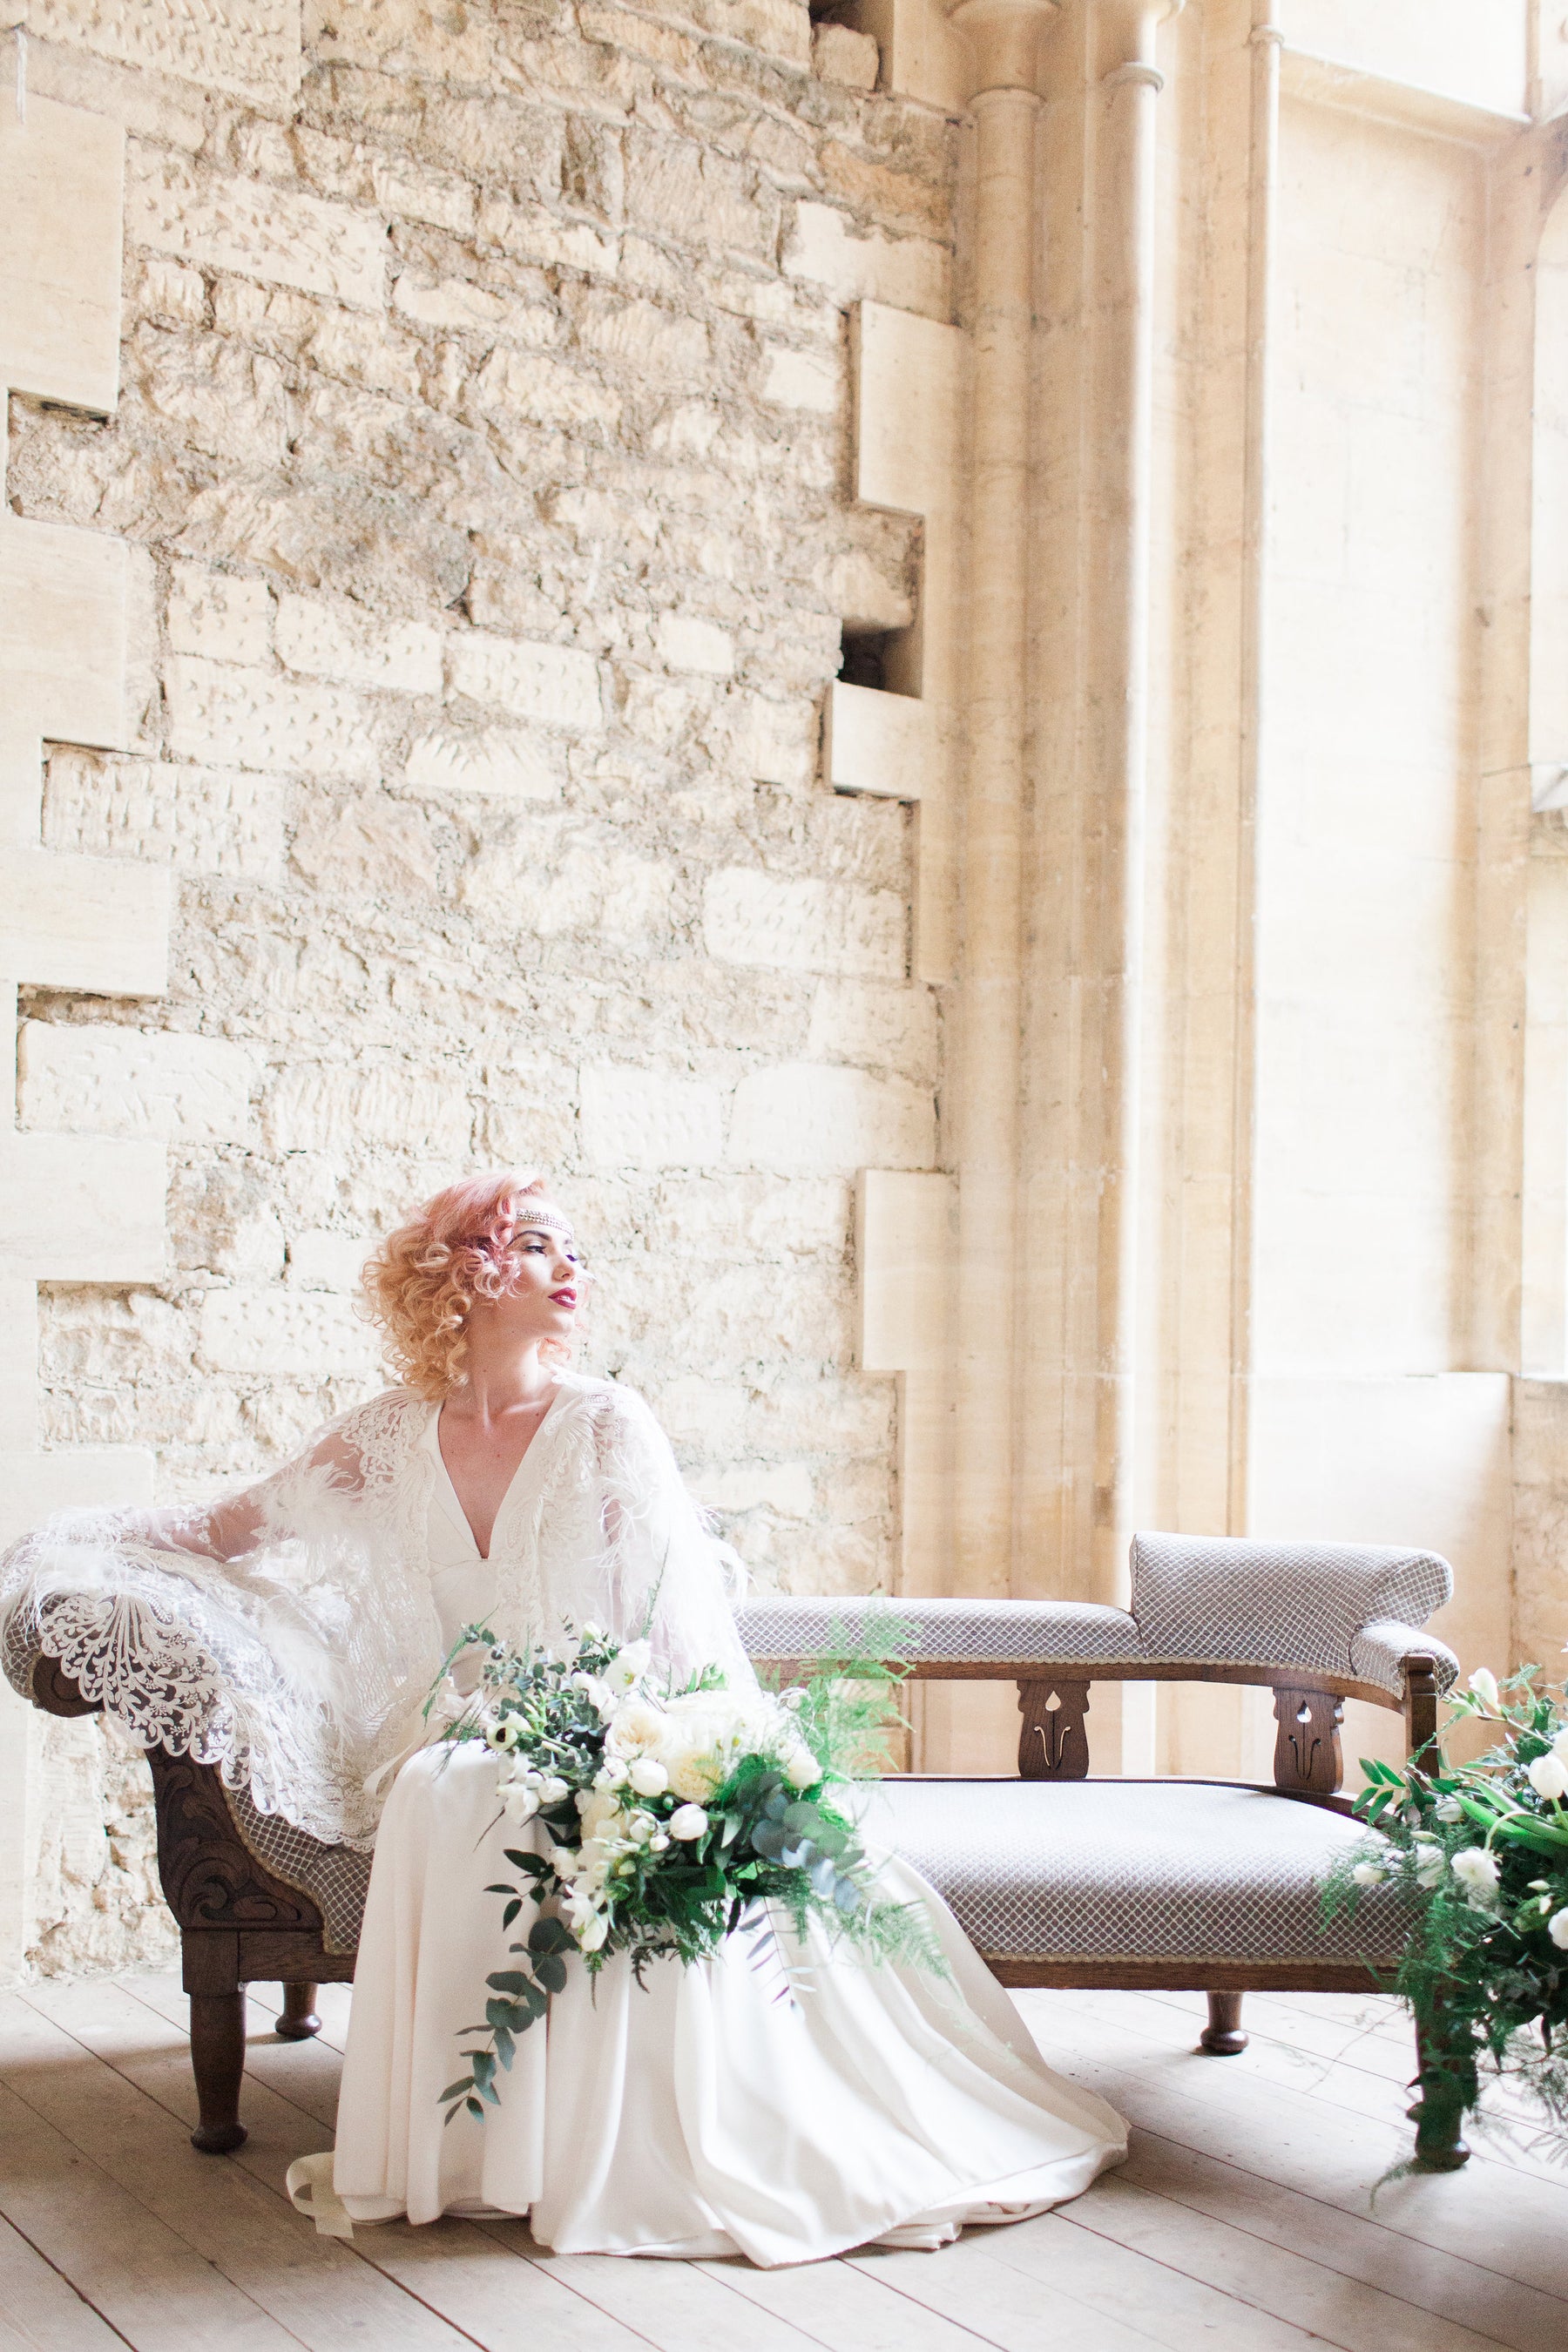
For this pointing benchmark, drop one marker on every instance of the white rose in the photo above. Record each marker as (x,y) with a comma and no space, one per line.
(1557,1928)
(648,1776)
(613,1775)
(1483,1682)
(601,1812)
(1476,1872)
(694,1772)
(564,1863)
(1548,1776)
(801,1769)
(1427,1855)
(686,1823)
(637,1728)
(554,1790)
(1369,1874)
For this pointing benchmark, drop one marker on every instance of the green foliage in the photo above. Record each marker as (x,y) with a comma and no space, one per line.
(1481,1856)
(774,1841)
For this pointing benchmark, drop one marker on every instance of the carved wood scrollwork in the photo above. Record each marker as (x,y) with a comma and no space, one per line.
(1307,1757)
(210,1878)
(1054,1742)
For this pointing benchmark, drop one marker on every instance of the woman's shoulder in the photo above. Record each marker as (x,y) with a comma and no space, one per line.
(610,1407)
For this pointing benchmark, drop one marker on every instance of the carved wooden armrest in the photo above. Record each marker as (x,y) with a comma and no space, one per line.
(54,1691)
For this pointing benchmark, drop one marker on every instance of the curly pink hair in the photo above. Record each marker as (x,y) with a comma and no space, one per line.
(424,1277)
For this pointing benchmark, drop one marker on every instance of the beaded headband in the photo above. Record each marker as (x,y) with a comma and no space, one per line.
(546,1218)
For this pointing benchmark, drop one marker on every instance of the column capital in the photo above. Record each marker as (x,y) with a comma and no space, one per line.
(1002,38)
(1125,33)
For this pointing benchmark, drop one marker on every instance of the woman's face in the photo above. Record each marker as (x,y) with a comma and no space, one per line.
(546,1293)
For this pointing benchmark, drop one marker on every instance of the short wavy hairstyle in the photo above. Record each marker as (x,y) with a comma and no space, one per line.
(422,1282)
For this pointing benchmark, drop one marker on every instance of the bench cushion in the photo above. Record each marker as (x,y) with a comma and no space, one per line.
(1145,1870)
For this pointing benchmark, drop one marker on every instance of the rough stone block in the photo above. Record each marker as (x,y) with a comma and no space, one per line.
(200,819)
(215,614)
(531,233)
(249,46)
(324,1260)
(514,385)
(881,1028)
(811,1115)
(695,196)
(251,719)
(782,1487)
(803,924)
(456,304)
(343,642)
(642,1118)
(581,883)
(686,643)
(118,1081)
(909,273)
(438,197)
(354,1106)
(501,762)
(647,345)
(807,380)
(84,922)
(842,56)
(279,234)
(298,1334)
(552,683)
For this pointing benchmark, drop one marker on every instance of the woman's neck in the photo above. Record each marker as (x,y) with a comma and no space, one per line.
(501,1378)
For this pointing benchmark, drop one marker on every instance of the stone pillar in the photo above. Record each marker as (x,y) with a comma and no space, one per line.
(1002,37)
(1123,297)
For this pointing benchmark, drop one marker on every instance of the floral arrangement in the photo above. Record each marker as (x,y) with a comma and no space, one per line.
(664,1820)
(1481,1851)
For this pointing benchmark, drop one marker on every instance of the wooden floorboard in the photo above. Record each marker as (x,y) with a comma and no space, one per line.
(1241,2223)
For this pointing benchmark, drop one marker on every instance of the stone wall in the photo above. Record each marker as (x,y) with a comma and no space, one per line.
(482,452)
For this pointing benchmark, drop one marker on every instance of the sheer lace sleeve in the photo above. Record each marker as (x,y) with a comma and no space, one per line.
(281,1632)
(668,1576)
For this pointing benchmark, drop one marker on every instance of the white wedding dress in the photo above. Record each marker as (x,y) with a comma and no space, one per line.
(777,2102)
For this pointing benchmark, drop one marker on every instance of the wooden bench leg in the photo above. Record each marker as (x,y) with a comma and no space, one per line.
(217,2037)
(299,2021)
(1222,2037)
(218,2058)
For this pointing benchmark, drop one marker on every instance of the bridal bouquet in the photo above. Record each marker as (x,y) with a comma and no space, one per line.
(670,1818)
(1482,1851)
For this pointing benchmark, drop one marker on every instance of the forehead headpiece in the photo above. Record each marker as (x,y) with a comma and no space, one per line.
(548,1218)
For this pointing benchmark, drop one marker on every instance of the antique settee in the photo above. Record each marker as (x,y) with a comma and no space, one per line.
(1057,1878)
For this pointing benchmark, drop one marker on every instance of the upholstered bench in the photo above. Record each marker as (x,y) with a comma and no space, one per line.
(1057,1878)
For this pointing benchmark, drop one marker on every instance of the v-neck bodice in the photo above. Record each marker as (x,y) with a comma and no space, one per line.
(464,1581)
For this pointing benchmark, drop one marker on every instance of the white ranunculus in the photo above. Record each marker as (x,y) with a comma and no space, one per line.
(1557,1928)
(648,1776)
(554,1790)
(687,1823)
(1559,1744)
(1548,1776)
(519,1803)
(1369,1874)
(1476,1872)
(640,1827)
(1483,1682)
(659,1842)
(1448,1808)
(611,1774)
(801,1769)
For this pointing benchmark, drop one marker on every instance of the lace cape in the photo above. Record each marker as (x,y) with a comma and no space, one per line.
(287,1632)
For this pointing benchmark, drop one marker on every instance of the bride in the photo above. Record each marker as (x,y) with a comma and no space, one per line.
(292,1632)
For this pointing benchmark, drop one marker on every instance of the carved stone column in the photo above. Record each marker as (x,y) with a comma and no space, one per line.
(1123,301)
(1002,38)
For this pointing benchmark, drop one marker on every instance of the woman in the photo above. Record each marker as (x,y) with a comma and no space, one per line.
(783,2112)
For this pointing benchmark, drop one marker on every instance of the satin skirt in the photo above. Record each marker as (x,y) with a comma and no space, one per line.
(742,2107)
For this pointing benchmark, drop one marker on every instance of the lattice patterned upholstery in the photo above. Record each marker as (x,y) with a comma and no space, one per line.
(950,1633)
(335,1877)
(1226,1597)
(1162,1871)
(1347,1609)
